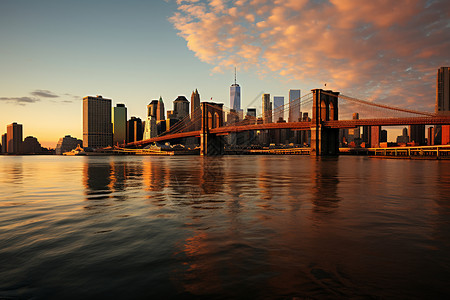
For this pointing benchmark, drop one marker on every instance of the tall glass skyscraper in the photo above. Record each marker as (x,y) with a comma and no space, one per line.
(278,109)
(235,96)
(294,106)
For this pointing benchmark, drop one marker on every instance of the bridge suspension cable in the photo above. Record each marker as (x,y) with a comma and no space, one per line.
(365,102)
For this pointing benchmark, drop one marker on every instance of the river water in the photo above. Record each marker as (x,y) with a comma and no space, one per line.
(247,227)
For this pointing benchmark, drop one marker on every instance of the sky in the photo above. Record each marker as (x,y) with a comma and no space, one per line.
(55,52)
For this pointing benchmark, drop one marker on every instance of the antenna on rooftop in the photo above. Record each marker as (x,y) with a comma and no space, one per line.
(235,75)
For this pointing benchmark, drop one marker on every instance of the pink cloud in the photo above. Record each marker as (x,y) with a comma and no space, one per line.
(384,49)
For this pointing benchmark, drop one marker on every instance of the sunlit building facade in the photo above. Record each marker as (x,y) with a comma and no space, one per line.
(266,109)
(97,125)
(14,138)
(181,107)
(119,124)
(294,105)
(278,109)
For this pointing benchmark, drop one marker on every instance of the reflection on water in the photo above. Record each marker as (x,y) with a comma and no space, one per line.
(224,227)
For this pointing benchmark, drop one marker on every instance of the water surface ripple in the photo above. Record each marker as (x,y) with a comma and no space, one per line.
(243,227)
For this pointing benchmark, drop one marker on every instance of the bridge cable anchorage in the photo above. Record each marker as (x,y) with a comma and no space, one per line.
(381,105)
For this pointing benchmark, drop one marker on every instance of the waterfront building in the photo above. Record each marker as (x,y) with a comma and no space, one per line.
(134,130)
(97,125)
(383,136)
(66,144)
(150,128)
(278,108)
(31,145)
(119,124)
(354,133)
(266,108)
(442,106)
(251,112)
(375,135)
(366,136)
(4,143)
(160,115)
(181,107)
(417,134)
(294,106)
(404,138)
(14,138)
(443,91)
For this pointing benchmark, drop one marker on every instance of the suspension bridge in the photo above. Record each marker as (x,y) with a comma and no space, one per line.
(329,111)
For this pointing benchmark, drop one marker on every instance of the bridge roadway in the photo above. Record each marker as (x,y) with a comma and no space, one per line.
(224,130)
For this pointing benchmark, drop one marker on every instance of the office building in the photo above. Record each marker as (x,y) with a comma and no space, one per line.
(266,108)
(66,144)
(443,91)
(4,143)
(181,107)
(160,110)
(195,101)
(417,134)
(375,135)
(97,125)
(119,124)
(294,106)
(14,138)
(134,130)
(150,129)
(251,112)
(278,108)
(152,108)
(404,138)
(442,107)
(235,97)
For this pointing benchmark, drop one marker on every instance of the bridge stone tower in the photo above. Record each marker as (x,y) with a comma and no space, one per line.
(324,140)
(212,117)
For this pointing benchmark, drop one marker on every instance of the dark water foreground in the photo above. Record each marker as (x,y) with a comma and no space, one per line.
(244,227)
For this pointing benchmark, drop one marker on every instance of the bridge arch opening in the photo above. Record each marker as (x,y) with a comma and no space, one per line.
(210,120)
(323,110)
(216,120)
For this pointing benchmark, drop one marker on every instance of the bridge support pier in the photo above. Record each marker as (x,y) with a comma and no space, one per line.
(211,144)
(212,117)
(324,140)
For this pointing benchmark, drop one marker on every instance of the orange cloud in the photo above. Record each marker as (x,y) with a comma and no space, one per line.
(380,47)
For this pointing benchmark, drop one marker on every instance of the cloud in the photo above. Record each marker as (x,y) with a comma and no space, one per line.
(19,100)
(44,93)
(384,49)
(40,94)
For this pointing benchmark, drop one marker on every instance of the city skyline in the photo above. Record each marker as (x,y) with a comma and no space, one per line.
(57,53)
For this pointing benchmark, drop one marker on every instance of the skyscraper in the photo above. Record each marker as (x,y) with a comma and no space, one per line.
(235,95)
(266,108)
(443,91)
(195,101)
(97,126)
(119,124)
(150,129)
(152,108)
(417,134)
(294,106)
(160,110)
(5,143)
(134,130)
(181,107)
(442,133)
(278,109)
(14,138)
